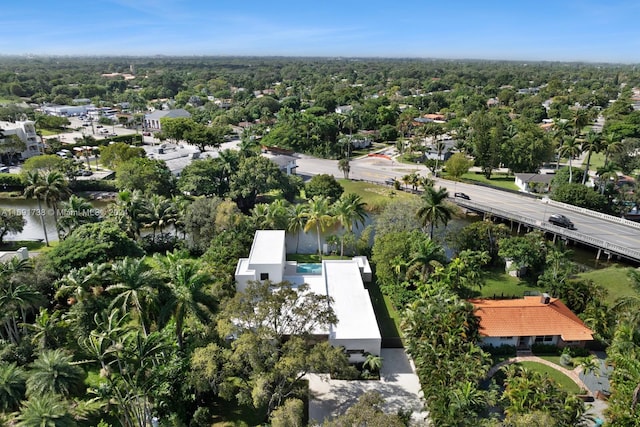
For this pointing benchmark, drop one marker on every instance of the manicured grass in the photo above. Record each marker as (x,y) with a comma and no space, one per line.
(388,317)
(498,283)
(14,245)
(374,195)
(49,132)
(614,279)
(556,360)
(497,180)
(312,258)
(563,381)
(597,161)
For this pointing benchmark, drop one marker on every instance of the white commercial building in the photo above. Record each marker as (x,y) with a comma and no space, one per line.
(341,280)
(26,131)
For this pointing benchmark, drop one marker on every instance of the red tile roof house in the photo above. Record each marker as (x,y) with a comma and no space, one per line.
(529,320)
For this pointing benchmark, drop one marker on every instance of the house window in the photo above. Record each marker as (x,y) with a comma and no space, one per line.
(544,339)
(506,338)
(264,276)
(355,351)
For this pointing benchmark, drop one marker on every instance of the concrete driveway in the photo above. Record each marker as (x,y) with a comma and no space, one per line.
(398,385)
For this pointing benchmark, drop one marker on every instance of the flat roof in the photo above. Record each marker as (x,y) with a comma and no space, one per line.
(351,301)
(268,247)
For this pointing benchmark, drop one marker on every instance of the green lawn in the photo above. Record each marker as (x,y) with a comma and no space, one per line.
(497,180)
(388,318)
(498,283)
(31,245)
(48,132)
(563,381)
(374,195)
(597,161)
(312,258)
(614,279)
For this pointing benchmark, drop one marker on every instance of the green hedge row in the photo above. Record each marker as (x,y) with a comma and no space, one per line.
(94,185)
(10,182)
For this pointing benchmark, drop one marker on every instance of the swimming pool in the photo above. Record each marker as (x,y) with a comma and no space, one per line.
(309,268)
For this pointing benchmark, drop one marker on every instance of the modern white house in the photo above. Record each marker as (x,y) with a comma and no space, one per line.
(342,280)
(26,131)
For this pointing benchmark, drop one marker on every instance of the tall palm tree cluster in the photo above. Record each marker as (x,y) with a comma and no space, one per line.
(571,142)
(127,318)
(317,215)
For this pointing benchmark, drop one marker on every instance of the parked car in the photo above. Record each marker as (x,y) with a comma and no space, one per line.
(146,133)
(462,196)
(99,126)
(561,221)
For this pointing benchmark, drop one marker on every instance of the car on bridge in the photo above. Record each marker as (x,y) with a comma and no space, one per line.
(462,196)
(561,221)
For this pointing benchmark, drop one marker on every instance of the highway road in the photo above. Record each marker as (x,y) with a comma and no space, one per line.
(593,225)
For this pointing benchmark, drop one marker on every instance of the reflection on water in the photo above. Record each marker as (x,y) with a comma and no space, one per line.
(30,211)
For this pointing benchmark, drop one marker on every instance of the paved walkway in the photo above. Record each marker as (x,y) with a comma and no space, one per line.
(398,385)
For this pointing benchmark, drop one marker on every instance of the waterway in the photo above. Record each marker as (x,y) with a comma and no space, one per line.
(30,211)
(306,242)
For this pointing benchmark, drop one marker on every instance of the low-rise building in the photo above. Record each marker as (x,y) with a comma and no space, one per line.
(530,320)
(152,120)
(341,280)
(26,131)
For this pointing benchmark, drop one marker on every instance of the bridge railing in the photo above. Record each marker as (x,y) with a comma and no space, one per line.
(589,212)
(564,232)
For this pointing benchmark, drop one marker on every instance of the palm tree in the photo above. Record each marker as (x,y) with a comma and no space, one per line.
(425,258)
(158,212)
(259,215)
(180,205)
(607,174)
(344,166)
(570,148)
(129,211)
(297,219)
(88,142)
(591,145)
(434,211)
(373,362)
(12,385)
(45,328)
(133,287)
(187,286)
(561,128)
(33,188)
(54,372)
(612,144)
(318,216)
(54,188)
(16,301)
(49,410)
(77,211)
(579,119)
(349,209)
(277,215)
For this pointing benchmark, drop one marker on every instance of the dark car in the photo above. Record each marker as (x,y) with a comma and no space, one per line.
(462,196)
(561,221)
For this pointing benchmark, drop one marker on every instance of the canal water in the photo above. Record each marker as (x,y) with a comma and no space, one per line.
(30,211)
(583,256)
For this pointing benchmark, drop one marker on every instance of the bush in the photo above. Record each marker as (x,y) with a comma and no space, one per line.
(11,182)
(547,349)
(94,185)
(503,350)
(163,243)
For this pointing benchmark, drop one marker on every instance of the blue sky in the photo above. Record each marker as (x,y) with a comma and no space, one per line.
(561,30)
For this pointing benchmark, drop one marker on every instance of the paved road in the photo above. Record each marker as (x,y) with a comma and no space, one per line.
(379,169)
